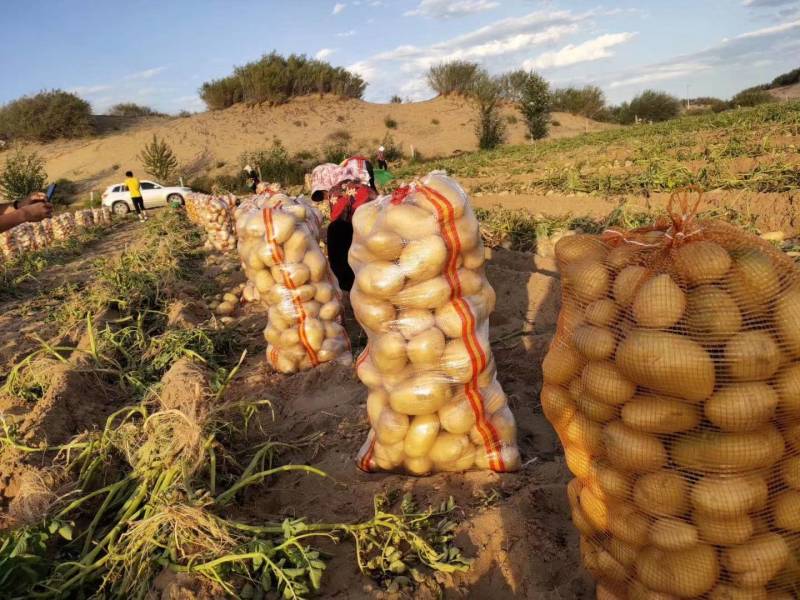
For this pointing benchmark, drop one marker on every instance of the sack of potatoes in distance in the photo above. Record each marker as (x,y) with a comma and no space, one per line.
(434,403)
(673,382)
(215,215)
(289,275)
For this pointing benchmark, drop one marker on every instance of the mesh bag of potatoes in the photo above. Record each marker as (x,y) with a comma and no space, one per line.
(84,218)
(434,403)
(63,226)
(215,215)
(9,249)
(290,276)
(673,382)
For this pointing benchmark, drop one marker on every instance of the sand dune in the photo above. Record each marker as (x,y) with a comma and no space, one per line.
(212,142)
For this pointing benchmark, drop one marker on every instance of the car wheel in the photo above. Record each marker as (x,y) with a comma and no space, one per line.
(175,198)
(120,208)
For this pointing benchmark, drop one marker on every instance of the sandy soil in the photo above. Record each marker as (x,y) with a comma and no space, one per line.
(213,141)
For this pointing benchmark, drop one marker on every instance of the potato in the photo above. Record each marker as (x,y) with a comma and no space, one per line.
(584,433)
(668,363)
(377,400)
(391,427)
(627,283)
(557,406)
(316,263)
(431,294)
(595,343)
(232,298)
(413,321)
(388,352)
(787,320)
(790,472)
(448,448)
(602,565)
(622,256)
(460,361)
(756,562)
(451,317)
(425,349)
(474,259)
(421,395)
(457,416)
(603,381)
(712,315)
(504,425)
(368,374)
(742,406)
(729,592)
(508,457)
(686,573)
(295,247)
(606,590)
(594,409)
(602,313)
(579,462)
(787,384)
(701,262)
(786,510)
(467,231)
(561,363)
(628,524)
(752,280)
(364,219)
(659,303)
(283,225)
(423,258)
(575,248)
(661,493)
(380,279)
(607,481)
(673,534)
(422,432)
(588,280)
(623,553)
(659,414)
(752,355)
(725,452)
(421,465)
(409,222)
(724,532)
(454,198)
(385,245)
(633,450)
(595,509)
(225,308)
(638,591)
(289,337)
(792,433)
(386,457)
(728,497)
(372,314)
(494,398)
(470,282)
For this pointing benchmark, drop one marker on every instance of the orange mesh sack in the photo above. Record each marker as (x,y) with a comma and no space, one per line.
(673,382)
(420,293)
(288,273)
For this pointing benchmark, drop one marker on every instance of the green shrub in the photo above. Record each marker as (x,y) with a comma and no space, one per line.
(23,173)
(789,78)
(275,79)
(275,165)
(131,109)
(184,113)
(490,127)
(66,192)
(512,84)
(396,99)
(391,150)
(454,77)
(159,160)
(390,122)
(226,183)
(534,104)
(752,97)
(652,105)
(588,101)
(46,116)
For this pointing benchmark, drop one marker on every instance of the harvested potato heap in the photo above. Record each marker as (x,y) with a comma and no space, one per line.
(84,218)
(42,233)
(214,214)
(101,216)
(63,226)
(9,249)
(420,293)
(674,384)
(24,238)
(288,273)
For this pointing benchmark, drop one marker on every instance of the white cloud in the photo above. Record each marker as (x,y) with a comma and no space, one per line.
(146,74)
(769,31)
(338,7)
(659,73)
(766,3)
(345,34)
(595,49)
(324,53)
(81,90)
(445,9)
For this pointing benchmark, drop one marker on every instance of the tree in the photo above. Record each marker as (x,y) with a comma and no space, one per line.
(588,101)
(652,105)
(752,97)
(512,84)
(131,109)
(159,160)
(24,173)
(534,104)
(490,127)
(454,77)
(46,116)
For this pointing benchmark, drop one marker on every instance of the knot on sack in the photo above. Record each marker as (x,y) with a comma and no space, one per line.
(682,214)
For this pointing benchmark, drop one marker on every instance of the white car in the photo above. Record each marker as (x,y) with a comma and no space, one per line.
(118,198)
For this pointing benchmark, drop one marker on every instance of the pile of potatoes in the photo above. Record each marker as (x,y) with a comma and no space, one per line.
(673,383)
(84,218)
(215,215)
(290,276)
(101,216)
(420,293)
(64,226)
(28,237)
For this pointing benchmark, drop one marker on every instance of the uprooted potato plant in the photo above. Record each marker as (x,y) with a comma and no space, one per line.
(156,485)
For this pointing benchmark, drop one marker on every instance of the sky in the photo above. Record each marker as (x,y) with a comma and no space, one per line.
(159,52)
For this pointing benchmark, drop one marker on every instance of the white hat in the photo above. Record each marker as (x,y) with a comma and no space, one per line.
(381,149)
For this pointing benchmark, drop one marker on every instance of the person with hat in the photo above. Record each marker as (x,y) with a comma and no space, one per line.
(382,164)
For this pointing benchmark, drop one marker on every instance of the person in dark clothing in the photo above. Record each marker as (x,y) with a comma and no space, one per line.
(382,164)
(252,178)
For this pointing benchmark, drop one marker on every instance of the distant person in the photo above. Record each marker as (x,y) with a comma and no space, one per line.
(382,164)
(135,188)
(252,178)
(345,191)
(31,209)
(363,167)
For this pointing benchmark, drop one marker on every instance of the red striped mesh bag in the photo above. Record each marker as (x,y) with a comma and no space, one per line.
(420,293)
(288,273)
(673,382)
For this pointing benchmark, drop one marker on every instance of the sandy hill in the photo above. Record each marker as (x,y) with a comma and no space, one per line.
(212,142)
(787,92)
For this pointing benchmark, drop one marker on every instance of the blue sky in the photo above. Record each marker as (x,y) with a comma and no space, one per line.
(159,52)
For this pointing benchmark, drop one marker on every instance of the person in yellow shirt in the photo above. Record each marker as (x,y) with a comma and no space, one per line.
(135,188)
